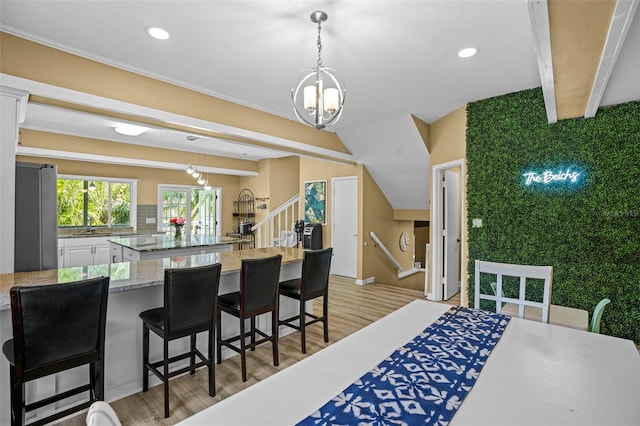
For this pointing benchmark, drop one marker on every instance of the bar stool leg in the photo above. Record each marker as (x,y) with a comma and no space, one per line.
(17,399)
(325,314)
(165,378)
(302,321)
(253,333)
(145,358)
(218,336)
(243,356)
(274,336)
(211,365)
(93,389)
(193,353)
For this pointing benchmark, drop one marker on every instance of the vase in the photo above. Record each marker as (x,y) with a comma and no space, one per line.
(178,233)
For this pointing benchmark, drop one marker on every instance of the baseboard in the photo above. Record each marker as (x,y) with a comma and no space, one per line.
(366,281)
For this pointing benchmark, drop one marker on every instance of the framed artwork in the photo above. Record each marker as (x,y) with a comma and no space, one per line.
(315,193)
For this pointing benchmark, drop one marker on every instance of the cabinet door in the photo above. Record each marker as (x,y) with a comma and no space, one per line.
(101,255)
(78,256)
(60,257)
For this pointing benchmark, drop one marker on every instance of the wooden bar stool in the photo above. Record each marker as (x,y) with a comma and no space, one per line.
(190,296)
(56,327)
(258,295)
(313,283)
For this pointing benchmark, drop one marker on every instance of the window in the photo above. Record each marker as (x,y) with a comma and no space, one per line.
(200,208)
(84,201)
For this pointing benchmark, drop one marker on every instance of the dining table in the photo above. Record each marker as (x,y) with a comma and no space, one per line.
(536,374)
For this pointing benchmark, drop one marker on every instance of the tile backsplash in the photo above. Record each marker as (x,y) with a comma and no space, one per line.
(146,211)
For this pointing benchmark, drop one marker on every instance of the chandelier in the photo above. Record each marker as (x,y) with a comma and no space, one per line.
(319,95)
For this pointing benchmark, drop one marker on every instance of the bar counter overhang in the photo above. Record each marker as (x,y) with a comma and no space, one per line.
(134,287)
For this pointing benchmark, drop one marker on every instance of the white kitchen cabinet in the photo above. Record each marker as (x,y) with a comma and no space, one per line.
(84,251)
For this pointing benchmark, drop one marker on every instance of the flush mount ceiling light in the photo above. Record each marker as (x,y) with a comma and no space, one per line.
(130,129)
(467,52)
(319,95)
(158,33)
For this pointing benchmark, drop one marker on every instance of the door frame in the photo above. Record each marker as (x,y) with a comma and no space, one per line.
(188,189)
(333,216)
(433,290)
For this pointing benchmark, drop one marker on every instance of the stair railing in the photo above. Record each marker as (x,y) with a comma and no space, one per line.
(280,219)
(401,272)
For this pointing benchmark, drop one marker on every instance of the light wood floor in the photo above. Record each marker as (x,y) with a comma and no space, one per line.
(351,307)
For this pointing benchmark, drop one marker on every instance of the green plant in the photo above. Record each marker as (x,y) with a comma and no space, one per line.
(589,232)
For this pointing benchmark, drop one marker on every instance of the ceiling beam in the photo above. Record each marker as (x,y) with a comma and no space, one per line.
(539,18)
(620,23)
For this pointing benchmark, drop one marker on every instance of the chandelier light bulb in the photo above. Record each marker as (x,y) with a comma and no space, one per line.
(207,187)
(190,169)
(310,98)
(201,180)
(331,100)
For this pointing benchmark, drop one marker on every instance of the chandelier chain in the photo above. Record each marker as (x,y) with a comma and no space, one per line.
(319,45)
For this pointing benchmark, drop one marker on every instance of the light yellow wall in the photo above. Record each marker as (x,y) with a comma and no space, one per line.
(448,143)
(379,219)
(259,185)
(284,182)
(277,180)
(37,139)
(312,170)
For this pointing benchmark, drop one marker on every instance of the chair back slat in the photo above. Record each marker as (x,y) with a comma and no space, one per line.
(316,265)
(259,280)
(58,321)
(190,296)
(524,273)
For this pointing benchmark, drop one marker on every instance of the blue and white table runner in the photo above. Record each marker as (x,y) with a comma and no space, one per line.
(424,381)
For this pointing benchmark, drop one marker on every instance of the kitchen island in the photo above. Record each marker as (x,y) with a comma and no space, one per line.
(153,247)
(135,287)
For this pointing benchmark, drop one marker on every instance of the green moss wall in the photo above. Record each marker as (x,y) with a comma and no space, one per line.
(590,231)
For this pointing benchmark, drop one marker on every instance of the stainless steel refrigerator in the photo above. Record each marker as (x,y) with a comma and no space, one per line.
(36,239)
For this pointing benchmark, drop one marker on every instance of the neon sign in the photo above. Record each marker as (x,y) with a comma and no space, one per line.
(548,177)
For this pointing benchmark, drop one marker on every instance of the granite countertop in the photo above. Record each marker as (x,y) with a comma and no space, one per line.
(150,243)
(145,273)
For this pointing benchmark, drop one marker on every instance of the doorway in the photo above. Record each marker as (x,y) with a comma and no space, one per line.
(447,245)
(344,232)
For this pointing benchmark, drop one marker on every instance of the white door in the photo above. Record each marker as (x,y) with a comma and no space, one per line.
(344,235)
(451,234)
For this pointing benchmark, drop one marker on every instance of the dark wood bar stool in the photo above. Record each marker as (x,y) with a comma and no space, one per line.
(258,295)
(55,328)
(190,297)
(313,283)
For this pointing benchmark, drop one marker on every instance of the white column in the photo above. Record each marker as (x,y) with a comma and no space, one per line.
(12,110)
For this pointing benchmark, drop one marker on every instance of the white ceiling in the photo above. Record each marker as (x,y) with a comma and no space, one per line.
(398,58)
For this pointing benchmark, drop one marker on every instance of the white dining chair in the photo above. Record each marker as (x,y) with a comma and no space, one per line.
(495,293)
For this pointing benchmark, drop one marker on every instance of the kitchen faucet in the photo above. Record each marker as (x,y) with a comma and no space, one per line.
(90,228)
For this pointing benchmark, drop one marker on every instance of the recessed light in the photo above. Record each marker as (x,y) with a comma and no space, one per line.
(468,52)
(158,33)
(130,129)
